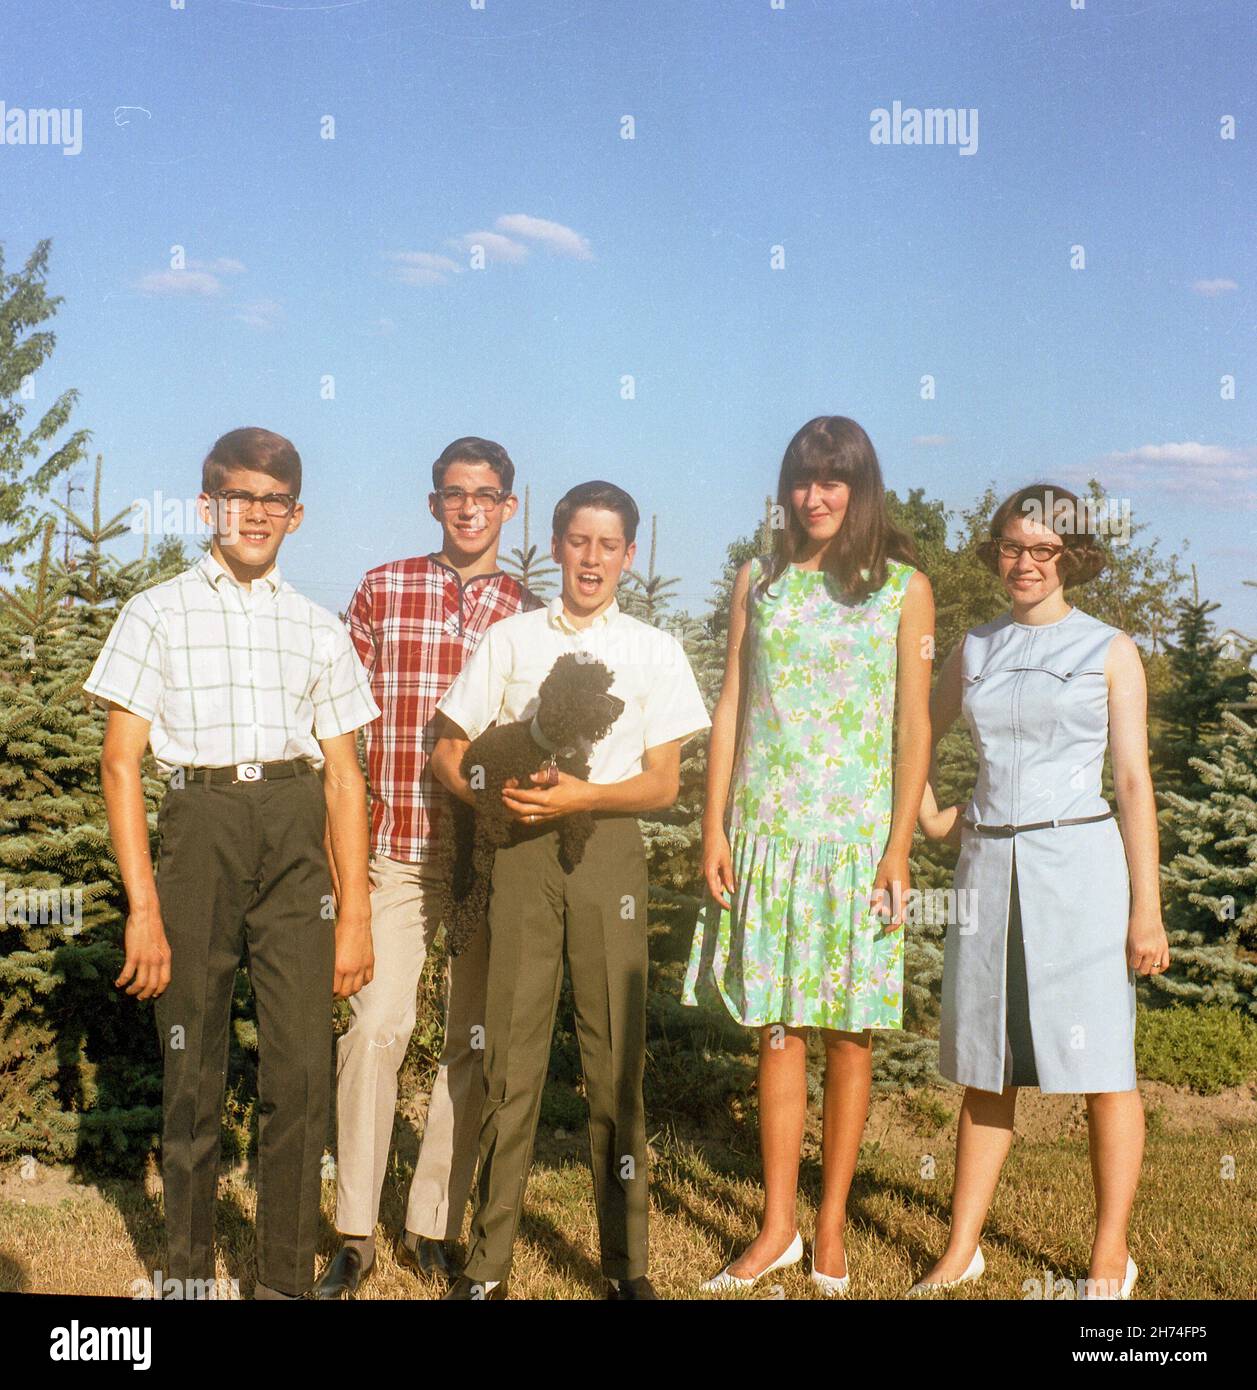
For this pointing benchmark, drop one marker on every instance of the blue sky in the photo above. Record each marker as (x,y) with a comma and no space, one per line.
(650,257)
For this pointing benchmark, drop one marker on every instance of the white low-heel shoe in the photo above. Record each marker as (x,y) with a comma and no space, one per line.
(830,1284)
(977,1267)
(724,1280)
(1128,1283)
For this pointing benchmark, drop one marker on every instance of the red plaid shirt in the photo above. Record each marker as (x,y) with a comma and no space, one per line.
(413,624)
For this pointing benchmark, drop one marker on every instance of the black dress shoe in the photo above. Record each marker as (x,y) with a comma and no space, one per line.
(343,1274)
(429,1258)
(640,1287)
(466,1290)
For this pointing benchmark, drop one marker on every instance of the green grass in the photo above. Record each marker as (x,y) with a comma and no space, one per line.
(1204,1048)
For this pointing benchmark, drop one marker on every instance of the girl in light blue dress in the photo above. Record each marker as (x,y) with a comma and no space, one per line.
(1057,907)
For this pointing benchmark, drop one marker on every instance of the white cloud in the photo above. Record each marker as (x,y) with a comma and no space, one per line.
(563,241)
(180,282)
(199,278)
(426,260)
(1189,453)
(496,247)
(416,275)
(931,441)
(1205,470)
(224,265)
(262,314)
(423,267)
(1212,288)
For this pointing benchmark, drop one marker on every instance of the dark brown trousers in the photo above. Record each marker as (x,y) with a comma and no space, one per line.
(243,870)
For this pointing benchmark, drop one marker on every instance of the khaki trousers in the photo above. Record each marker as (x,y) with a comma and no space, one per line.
(596,917)
(369,1056)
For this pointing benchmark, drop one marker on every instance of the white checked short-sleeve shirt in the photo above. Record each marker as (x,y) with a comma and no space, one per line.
(228,675)
(662,703)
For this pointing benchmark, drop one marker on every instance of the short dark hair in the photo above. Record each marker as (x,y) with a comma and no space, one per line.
(1083,557)
(259,451)
(606,497)
(472,449)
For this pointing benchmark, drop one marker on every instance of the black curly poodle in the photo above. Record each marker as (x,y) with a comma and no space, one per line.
(574,711)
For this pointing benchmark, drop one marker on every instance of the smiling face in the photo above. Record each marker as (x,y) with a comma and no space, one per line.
(1027,580)
(820,507)
(592,554)
(247,536)
(470,525)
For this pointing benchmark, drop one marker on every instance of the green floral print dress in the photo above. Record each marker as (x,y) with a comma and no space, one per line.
(810,814)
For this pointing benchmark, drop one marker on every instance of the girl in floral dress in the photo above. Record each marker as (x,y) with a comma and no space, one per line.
(828,661)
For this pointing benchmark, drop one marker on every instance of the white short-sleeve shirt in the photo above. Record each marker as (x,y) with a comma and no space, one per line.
(228,675)
(662,703)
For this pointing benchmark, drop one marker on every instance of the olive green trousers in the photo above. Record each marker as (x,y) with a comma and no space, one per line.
(595,917)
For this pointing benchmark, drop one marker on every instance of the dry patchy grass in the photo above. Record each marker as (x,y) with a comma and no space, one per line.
(1191,1232)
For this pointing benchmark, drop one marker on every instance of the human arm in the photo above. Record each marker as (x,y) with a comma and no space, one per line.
(342,700)
(471,704)
(722,746)
(331,863)
(1147,949)
(942,824)
(447,758)
(345,793)
(146,969)
(914,663)
(668,709)
(653,789)
(360,623)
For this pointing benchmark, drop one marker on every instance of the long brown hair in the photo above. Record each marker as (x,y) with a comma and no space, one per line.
(832,448)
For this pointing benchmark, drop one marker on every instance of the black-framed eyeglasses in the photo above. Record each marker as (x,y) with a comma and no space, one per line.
(485,498)
(273,503)
(1041,554)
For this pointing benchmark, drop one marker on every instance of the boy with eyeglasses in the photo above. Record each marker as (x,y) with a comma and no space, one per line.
(414,623)
(250,696)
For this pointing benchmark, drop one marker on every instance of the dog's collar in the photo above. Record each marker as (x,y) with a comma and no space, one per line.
(543,742)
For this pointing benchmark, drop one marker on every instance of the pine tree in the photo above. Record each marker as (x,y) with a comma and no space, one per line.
(526,562)
(79,1065)
(1192,705)
(1210,886)
(646,596)
(96,581)
(25,346)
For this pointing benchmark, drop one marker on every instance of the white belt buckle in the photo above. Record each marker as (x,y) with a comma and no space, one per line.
(248,772)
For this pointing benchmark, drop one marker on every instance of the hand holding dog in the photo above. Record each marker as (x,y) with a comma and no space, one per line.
(560,795)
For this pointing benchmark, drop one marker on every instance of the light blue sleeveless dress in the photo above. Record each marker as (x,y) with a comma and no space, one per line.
(1041,995)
